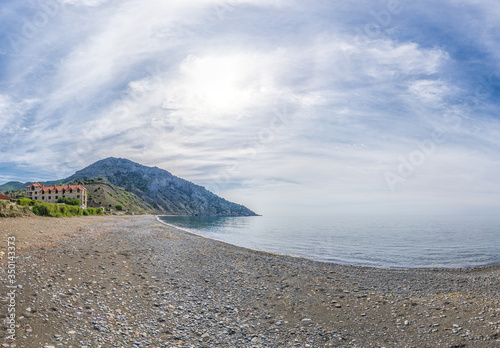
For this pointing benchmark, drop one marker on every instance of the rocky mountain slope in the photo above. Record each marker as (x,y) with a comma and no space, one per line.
(151,189)
(106,195)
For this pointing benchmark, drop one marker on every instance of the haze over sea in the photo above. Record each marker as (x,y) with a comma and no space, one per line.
(382,242)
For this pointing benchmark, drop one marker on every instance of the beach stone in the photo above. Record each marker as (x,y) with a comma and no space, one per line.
(205,337)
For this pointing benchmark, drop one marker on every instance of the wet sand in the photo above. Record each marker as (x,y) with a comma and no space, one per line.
(134,282)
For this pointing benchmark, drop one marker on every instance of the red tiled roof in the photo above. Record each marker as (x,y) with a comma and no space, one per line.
(36,185)
(60,188)
(4,197)
(54,188)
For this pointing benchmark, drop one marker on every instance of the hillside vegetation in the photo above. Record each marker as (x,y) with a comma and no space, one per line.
(106,195)
(57,210)
(12,185)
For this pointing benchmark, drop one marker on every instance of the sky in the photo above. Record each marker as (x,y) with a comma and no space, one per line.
(288,107)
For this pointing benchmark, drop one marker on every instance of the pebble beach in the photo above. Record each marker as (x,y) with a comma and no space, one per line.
(131,281)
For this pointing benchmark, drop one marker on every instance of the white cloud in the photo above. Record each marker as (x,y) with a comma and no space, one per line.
(9,112)
(90,3)
(395,59)
(13,125)
(429,91)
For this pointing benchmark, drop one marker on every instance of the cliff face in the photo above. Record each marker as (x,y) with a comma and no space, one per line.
(160,189)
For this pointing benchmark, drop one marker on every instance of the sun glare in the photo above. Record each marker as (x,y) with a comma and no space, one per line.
(218,83)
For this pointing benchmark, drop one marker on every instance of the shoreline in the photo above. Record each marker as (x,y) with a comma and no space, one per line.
(460,268)
(123,281)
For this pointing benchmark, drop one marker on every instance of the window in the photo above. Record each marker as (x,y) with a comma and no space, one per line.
(49,197)
(57,197)
(43,197)
(78,196)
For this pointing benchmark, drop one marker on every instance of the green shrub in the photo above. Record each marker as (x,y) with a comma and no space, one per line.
(70,201)
(41,209)
(74,210)
(73,201)
(119,207)
(54,210)
(93,211)
(25,202)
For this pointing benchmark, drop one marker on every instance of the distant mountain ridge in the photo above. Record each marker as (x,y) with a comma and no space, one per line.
(13,185)
(157,188)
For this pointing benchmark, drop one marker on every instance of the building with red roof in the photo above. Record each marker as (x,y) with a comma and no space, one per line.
(51,194)
(4,198)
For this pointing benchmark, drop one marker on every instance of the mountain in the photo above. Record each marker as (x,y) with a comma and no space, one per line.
(12,185)
(144,189)
(160,189)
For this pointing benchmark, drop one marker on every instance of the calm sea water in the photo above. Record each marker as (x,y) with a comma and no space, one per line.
(395,242)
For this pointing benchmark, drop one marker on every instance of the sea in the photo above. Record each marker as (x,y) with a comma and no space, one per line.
(402,242)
